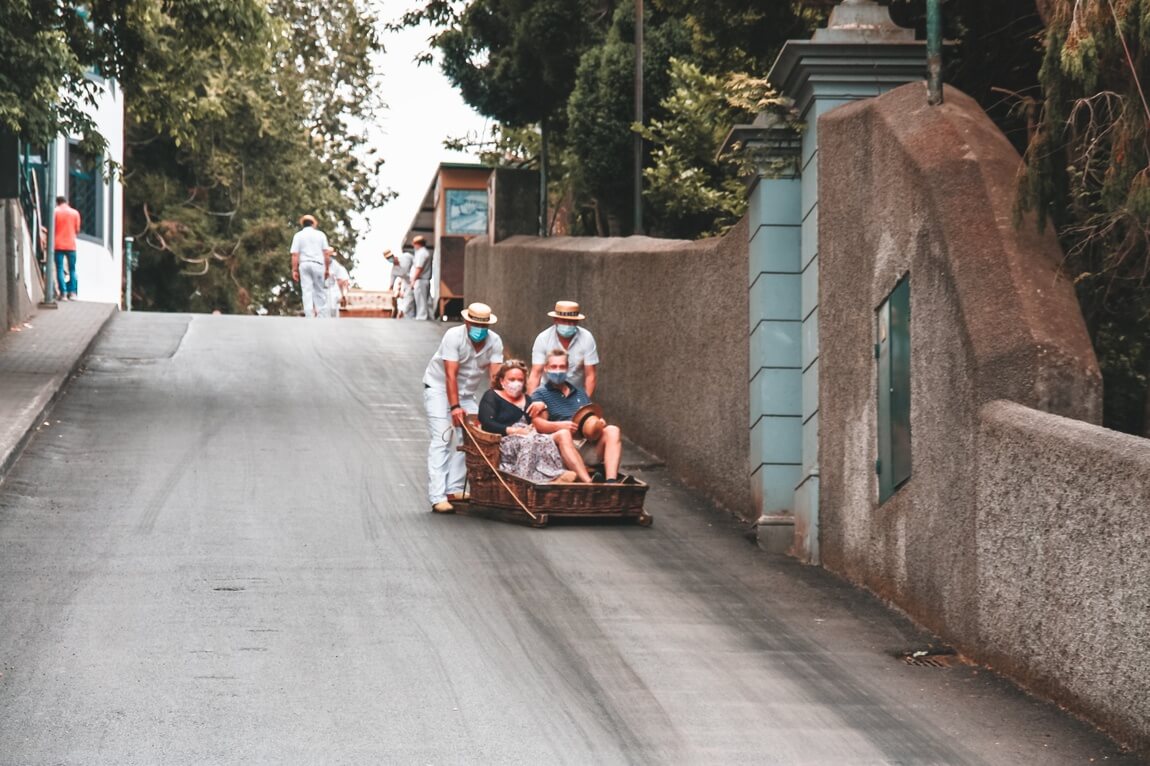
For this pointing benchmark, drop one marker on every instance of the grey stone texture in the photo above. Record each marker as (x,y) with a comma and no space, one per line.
(1063,535)
(670,320)
(15,243)
(995,515)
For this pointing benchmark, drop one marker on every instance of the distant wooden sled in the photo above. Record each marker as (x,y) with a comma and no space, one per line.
(506,497)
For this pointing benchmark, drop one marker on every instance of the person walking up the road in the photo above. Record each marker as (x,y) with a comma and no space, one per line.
(421,278)
(401,283)
(338,282)
(466,361)
(67,219)
(310,266)
(578,342)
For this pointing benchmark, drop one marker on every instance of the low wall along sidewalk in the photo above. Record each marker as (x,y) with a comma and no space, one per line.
(669,317)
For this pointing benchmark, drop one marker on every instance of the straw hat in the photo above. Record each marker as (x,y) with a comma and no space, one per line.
(566,310)
(589,421)
(479,313)
(306,220)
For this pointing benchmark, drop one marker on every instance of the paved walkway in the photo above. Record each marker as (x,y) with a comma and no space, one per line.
(36,360)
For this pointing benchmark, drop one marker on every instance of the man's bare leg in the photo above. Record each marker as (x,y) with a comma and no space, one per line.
(570,455)
(610,451)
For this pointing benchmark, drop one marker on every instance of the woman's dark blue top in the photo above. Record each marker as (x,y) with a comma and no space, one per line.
(496,414)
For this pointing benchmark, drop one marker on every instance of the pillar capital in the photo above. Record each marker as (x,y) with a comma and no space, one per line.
(770,145)
(860,53)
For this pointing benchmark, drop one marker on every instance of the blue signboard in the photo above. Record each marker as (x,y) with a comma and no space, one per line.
(466,211)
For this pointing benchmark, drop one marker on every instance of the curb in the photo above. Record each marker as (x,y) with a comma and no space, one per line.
(18,448)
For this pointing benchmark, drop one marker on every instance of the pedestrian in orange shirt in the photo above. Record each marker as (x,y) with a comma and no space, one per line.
(67,227)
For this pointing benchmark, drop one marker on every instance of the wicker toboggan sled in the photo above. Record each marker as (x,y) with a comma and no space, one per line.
(516,499)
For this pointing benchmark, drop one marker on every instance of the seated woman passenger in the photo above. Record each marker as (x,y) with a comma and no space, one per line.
(523,452)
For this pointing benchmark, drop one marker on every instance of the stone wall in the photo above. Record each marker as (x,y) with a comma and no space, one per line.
(1063,535)
(1000,511)
(670,320)
(16,304)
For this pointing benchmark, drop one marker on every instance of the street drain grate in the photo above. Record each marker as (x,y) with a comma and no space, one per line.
(930,658)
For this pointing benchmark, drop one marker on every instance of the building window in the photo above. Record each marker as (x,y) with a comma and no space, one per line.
(893,354)
(86,190)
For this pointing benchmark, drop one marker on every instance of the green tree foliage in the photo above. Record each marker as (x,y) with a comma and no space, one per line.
(237,129)
(241,115)
(47,51)
(515,60)
(739,36)
(692,188)
(601,111)
(1088,172)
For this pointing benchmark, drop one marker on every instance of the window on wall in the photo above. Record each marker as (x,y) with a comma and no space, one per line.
(893,354)
(86,190)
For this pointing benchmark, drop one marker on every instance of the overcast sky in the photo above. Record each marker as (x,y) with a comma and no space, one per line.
(423,110)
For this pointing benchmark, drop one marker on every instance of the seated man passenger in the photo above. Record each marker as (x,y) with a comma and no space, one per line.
(523,451)
(563,400)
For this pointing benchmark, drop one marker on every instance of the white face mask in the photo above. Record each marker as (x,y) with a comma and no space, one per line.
(513,387)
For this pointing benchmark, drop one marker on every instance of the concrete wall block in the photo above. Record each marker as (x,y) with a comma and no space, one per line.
(810,340)
(776,440)
(810,186)
(774,202)
(810,390)
(774,249)
(775,296)
(775,344)
(776,392)
(809,238)
(1064,579)
(810,287)
(776,483)
(810,444)
(806,547)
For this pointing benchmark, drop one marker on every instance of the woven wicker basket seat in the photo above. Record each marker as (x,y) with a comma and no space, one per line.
(543,499)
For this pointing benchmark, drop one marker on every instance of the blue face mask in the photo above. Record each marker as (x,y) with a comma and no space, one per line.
(566,330)
(477,334)
(556,378)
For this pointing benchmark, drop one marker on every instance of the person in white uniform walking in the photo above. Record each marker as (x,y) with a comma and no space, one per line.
(578,342)
(338,283)
(465,363)
(421,278)
(310,263)
(401,283)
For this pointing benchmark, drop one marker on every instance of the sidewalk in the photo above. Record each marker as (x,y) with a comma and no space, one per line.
(36,362)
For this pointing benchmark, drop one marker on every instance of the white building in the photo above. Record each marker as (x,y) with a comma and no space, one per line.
(64,169)
(98,195)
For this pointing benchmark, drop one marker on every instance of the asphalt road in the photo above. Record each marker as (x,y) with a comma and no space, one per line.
(219,551)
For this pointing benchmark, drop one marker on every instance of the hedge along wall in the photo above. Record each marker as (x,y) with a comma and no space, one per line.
(670,320)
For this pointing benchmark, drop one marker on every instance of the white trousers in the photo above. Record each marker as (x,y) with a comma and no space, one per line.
(407,303)
(446,465)
(311,283)
(422,290)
